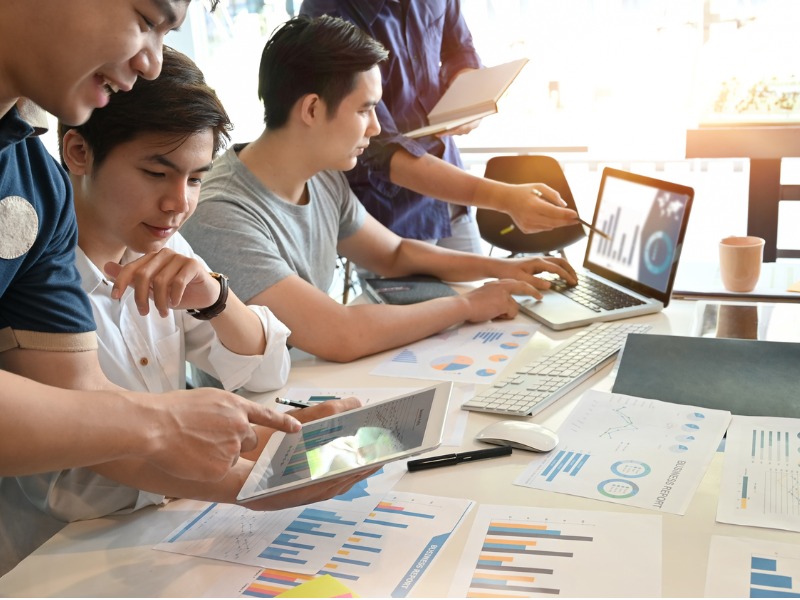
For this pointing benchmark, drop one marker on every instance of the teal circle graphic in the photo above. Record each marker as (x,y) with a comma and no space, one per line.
(617,488)
(658,252)
(630,469)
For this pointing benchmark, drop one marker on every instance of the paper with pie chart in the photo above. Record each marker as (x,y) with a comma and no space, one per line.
(468,354)
(632,451)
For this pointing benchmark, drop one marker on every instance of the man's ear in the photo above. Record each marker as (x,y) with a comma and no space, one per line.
(76,153)
(311,108)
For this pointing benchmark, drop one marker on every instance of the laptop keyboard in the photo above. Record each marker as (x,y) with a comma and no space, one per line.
(546,379)
(593,294)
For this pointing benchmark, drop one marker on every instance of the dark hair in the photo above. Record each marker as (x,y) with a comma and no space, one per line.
(177,102)
(321,55)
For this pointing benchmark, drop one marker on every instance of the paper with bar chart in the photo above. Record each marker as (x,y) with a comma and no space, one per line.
(466,354)
(520,552)
(630,450)
(749,568)
(385,556)
(761,473)
(300,538)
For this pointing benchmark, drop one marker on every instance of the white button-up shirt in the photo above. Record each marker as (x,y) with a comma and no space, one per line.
(140,353)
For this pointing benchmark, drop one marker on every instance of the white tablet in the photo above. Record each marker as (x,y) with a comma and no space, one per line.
(358,439)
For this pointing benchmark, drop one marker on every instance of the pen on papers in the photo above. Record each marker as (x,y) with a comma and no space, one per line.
(602,234)
(295,403)
(445,460)
(508,229)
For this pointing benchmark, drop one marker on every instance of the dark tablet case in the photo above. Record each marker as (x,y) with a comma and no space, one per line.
(420,289)
(745,377)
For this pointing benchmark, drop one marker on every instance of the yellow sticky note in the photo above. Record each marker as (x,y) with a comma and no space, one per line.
(320,587)
(795,287)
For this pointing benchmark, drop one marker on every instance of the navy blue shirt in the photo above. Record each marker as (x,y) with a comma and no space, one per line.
(40,290)
(428,43)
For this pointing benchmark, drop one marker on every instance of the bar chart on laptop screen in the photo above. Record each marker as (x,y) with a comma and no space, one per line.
(643,224)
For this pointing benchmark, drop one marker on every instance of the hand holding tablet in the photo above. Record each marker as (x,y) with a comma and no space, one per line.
(350,442)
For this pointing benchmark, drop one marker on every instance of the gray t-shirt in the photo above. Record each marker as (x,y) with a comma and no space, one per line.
(244,230)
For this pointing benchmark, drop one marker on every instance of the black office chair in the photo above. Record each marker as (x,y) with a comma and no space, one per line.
(496,227)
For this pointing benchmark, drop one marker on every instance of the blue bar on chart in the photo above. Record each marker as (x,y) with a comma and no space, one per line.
(388,507)
(488,336)
(745,480)
(766,581)
(567,462)
(770,445)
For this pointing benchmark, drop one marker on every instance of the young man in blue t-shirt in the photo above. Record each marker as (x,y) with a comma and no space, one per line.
(69,57)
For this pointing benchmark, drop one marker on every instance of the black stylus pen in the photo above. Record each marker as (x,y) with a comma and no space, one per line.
(445,460)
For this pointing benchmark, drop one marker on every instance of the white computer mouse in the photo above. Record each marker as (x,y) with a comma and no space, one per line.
(519,434)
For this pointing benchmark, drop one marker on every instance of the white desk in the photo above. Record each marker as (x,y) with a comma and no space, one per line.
(114,556)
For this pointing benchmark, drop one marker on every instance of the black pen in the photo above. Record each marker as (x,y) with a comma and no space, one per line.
(602,234)
(445,460)
(295,403)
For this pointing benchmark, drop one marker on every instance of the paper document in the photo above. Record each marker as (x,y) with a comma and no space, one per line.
(467,354)
(520,552)
(472,95)
(300,538)
(761,475)
(747,568)
(386,556)
(631,451)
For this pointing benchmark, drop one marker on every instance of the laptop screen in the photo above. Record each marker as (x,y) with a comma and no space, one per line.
(646,220)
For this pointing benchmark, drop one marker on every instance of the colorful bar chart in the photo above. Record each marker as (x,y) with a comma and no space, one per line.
(311,529)
(402,532)
(522,551)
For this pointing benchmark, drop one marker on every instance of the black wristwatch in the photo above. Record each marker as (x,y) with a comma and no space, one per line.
(206,314)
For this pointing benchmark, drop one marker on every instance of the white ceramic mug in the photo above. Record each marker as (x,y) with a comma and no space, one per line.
(740,260)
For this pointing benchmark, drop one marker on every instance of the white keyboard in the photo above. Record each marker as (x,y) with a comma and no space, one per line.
(546,379)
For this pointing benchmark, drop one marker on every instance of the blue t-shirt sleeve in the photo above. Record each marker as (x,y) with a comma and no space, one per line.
(41,289)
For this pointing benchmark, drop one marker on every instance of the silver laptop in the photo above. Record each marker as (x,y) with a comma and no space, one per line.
(631,273)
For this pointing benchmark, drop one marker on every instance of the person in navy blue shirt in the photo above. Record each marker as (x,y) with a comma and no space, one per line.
(69,58)
(417,187)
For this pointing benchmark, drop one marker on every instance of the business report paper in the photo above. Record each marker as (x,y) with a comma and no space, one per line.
(387,555)
(301,538)
(520,551)
(632,451)
(761,473)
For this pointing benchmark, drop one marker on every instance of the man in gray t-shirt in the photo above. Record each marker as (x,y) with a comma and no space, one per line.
(275,213)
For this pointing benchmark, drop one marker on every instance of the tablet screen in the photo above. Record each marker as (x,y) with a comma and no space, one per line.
(357,439)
